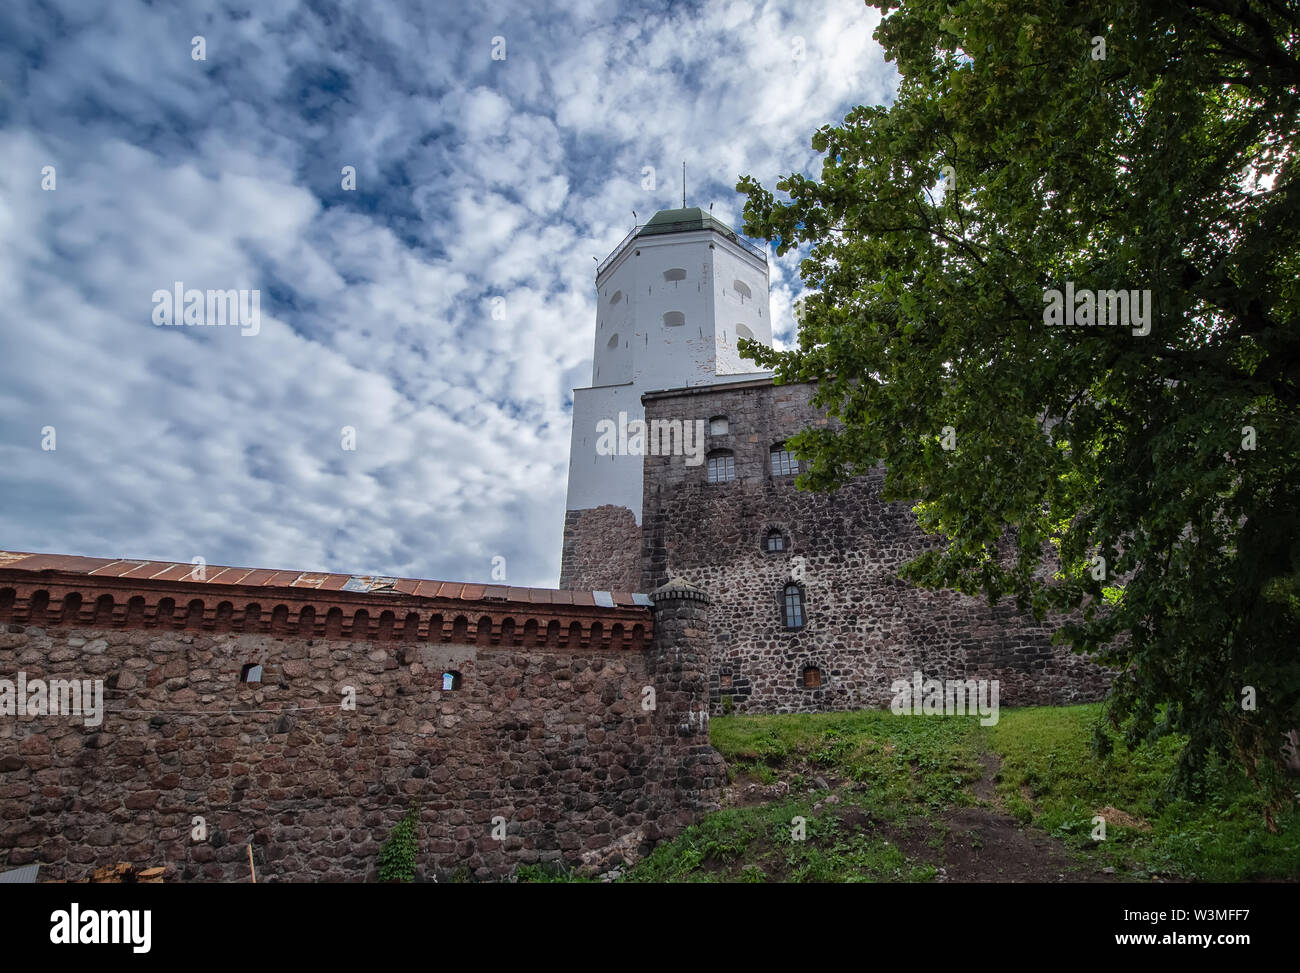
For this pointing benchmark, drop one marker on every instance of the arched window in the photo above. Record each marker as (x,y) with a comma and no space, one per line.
(744,332)
(250,673)
(618,296)
(722,467)
(675,273)
(774,541)
(674,319)
(783,463)
(792,615)
(742,289)
(718,426)
(613,341)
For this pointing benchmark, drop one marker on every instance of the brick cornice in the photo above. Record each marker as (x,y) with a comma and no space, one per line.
(71,598)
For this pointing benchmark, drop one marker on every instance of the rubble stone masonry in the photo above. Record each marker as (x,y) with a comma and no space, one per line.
(547,729)
(602,550)
(864,626)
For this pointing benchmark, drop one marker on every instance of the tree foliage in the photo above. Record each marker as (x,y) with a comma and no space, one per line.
(1124,145)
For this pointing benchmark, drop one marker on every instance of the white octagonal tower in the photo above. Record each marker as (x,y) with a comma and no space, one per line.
(672,299)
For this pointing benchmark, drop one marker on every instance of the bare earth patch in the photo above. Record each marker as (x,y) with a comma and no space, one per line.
(964,844)
(1122,819)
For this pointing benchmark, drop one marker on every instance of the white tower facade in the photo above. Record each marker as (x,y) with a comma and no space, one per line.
(672,300)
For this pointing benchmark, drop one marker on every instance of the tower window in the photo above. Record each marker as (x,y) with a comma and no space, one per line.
(618,296)
(250,673)
(783,464)
(450,681)
(718,426)
(792,606)
(774,541)
(744,332)
(613,341)
(674,319)
(722,467)
(742,289)
(675,273)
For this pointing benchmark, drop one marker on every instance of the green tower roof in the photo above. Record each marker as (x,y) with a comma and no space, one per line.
(679,221)
(683,220)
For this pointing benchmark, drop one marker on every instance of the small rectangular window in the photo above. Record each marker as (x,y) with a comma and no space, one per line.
(722,469)
(784,464)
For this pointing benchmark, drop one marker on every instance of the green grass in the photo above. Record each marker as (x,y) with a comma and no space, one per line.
(905,764)
(549,874)
(903,772)
(1050,777)
(758,844)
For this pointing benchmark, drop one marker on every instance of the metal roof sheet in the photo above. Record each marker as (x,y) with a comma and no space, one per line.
(132,569)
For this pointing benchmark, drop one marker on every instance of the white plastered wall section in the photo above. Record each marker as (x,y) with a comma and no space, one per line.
(737,313)
(638,348)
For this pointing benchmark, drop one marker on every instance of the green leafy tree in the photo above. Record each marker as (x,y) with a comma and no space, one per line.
(1141,477)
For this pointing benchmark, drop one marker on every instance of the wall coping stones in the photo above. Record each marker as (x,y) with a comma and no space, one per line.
(678,589)
(47,589)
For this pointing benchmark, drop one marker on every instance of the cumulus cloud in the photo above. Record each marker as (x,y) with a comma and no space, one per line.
(476,179)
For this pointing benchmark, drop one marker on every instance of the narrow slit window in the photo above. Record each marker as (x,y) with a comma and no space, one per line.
(792,606)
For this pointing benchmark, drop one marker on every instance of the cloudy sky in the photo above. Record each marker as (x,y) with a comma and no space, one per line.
(476,178)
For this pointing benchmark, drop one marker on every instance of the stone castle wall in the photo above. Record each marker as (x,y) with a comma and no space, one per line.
(547,731)
(865,627)
(602,550)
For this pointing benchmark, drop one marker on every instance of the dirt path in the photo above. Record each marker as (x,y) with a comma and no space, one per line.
(964,844)
(985,844)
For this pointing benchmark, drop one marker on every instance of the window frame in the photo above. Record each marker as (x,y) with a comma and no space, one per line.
(789,466)
(730,466)
(789,589)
